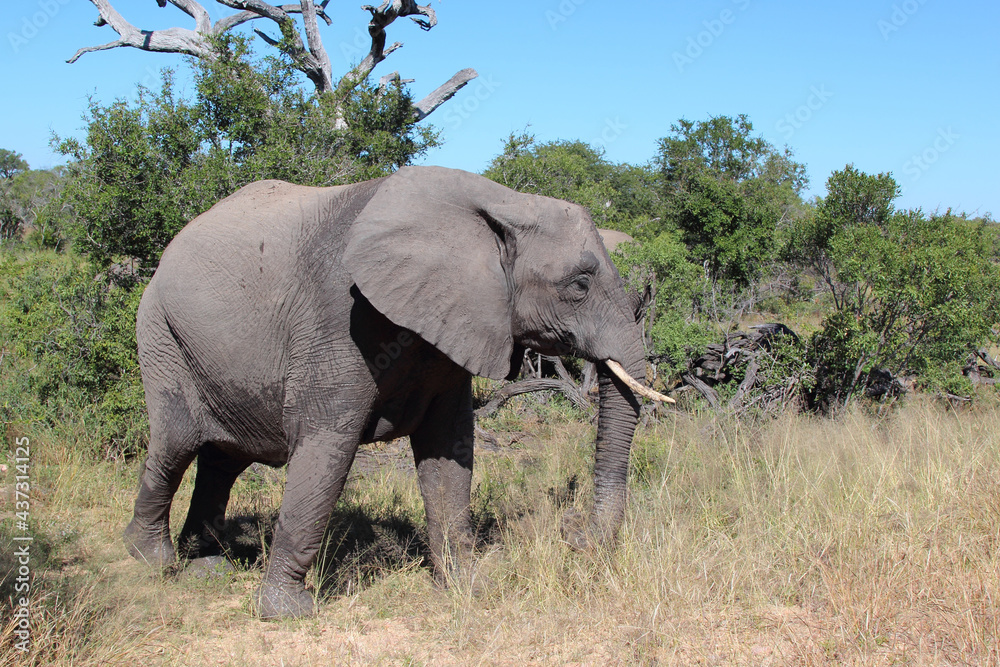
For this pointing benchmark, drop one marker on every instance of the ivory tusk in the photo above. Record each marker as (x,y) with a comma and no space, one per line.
(634,385)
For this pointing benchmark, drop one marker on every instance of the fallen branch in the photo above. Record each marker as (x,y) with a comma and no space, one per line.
(710,394)
(509,391)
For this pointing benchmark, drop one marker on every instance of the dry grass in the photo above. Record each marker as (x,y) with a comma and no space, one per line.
(858,541)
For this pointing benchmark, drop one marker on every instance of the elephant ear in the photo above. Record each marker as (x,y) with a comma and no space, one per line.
(427,252)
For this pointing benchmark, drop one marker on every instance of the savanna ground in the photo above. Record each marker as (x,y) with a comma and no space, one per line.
(862,540)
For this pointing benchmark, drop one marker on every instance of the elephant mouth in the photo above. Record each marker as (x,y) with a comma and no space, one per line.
(566,344)
(562,344)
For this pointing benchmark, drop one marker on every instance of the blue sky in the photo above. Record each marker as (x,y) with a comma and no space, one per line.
(906,86)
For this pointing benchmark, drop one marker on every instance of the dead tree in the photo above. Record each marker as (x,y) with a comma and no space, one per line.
(307,55)
(748,353)
(981,367)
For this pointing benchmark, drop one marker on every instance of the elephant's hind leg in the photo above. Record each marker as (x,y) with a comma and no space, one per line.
(201,536)
(147,536)
(174,439)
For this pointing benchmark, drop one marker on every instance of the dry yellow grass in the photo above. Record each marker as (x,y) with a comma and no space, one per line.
(803,542)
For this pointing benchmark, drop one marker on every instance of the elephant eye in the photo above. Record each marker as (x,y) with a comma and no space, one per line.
(579,286)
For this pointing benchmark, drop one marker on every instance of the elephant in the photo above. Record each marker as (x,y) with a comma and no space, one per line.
(288,324)
(612,238)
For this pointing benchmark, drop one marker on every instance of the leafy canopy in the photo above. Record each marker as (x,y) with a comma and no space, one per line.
(617,196)
(913,295)
(11,163)
(726,191)
(146,168)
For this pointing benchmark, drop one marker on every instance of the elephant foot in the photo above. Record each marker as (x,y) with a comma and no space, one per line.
(587,535)
(573,529)
(273,602)
(466,577)
(208,567)
(191,546)
(149,547)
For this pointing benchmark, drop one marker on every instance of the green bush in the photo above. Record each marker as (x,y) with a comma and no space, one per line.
(618,196)
(675,330)
(726,191)
(913,295)
(145,168)
(69,351)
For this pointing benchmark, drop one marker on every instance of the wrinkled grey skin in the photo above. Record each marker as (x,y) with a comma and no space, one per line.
(290,324)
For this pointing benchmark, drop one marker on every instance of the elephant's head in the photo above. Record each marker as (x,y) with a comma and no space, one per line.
(482,272)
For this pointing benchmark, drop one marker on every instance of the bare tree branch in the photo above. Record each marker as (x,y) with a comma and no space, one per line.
(444,92)
(203,22)
(315,42)
(382,16)
(361,71)
(384,82)
(171,40)
(229,22)
(309,56)
(509,391)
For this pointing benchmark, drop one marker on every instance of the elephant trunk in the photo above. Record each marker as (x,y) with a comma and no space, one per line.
(617,419)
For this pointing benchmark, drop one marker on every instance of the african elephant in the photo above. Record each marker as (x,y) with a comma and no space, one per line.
(612,238)
(290,324)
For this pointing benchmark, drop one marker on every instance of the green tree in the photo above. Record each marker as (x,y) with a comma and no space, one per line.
(675,328)
(69,349)
(147,167)
(618,196)
(11,163)
(30,202)
(727,191)
(913,295)
(853,199)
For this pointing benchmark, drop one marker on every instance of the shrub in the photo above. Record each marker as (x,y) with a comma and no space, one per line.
(913,295)
(69,349)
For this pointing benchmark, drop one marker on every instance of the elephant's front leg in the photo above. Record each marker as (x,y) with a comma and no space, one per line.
(443,452)
(317,472)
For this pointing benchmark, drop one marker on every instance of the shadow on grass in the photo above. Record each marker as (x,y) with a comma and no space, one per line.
(359,549)
(361,546)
